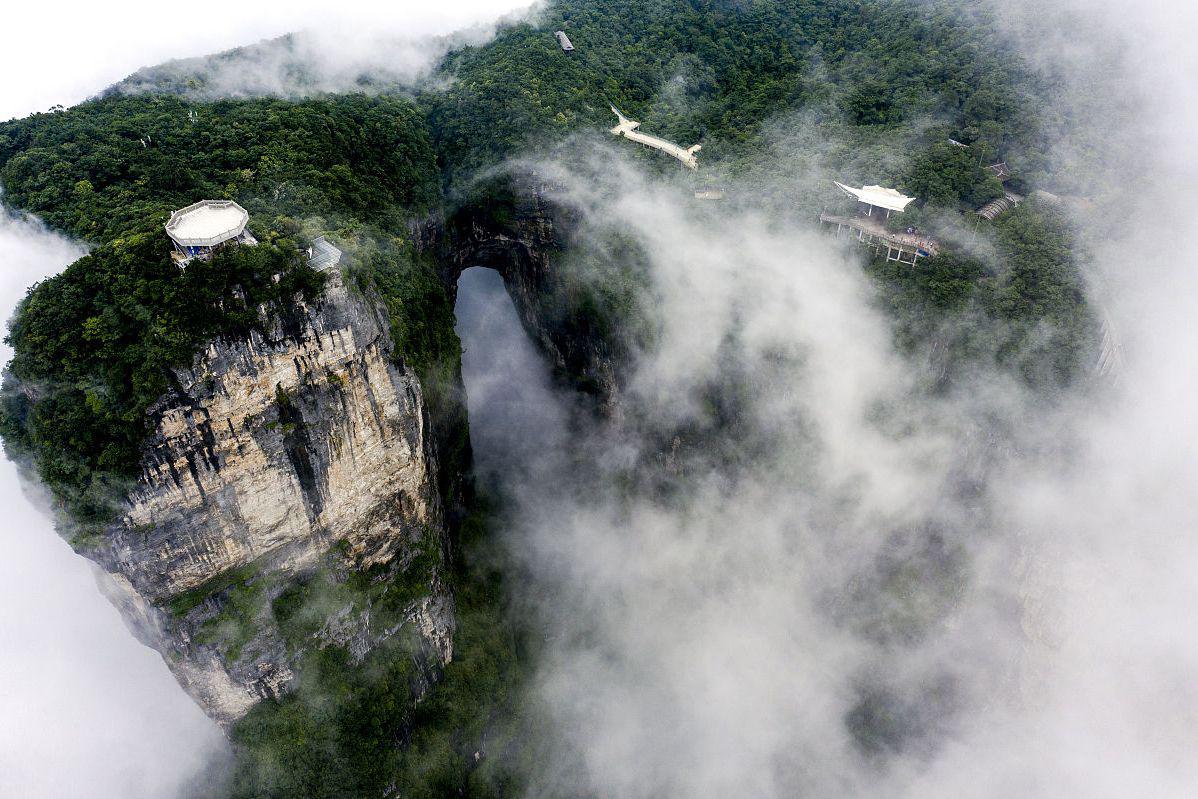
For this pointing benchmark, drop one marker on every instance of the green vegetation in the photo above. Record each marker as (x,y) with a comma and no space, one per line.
(238,620)
(1024,309)
(386,590)
(692,69)
(406,279)
(868,90)
(95,343)
(1040,297)
(723,72)
(183,603)
(354,730)
(951,177)
(113,165)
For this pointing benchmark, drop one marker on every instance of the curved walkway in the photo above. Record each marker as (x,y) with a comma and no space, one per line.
(627,128)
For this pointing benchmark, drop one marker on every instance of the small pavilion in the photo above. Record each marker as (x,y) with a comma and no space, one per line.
(201,228)
(875,205)
(877,200)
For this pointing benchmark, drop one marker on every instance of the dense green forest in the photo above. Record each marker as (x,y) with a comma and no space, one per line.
(1022,308)
(105,166)
(867,90)
(94,345)
(353,731)
(723,73)
(714,72)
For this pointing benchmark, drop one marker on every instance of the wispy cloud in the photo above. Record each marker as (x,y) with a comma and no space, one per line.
(55,63)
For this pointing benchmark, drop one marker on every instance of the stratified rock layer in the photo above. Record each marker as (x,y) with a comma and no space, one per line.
(275,453)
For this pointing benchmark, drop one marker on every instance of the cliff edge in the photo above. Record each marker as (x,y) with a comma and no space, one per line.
(294,452)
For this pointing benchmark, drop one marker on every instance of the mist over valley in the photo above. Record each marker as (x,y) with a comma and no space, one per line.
(630,399)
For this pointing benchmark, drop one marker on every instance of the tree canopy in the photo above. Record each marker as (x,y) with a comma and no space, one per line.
(95,345)
(719,72)
(107,165)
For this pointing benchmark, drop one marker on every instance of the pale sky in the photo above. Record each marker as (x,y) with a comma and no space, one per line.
(61,52)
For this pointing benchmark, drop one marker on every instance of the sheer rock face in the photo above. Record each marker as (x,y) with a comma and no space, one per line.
(275,454)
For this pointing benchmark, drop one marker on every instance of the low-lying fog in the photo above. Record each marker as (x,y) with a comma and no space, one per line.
(855,587)
(85,710)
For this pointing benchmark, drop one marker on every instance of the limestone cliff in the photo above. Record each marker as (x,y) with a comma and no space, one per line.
(282,454)
(288,504)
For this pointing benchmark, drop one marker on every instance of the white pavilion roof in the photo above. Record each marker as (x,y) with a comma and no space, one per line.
(878,196)
(207,223)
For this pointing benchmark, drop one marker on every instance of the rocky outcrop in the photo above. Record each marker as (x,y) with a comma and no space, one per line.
(290,492)
(300,449)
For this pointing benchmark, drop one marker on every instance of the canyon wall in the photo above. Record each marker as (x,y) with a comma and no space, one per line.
(303,448)
(299,460)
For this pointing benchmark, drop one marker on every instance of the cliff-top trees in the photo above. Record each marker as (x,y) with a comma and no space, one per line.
(94,346)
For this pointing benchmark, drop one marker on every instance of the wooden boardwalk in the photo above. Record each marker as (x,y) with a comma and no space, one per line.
(905,247)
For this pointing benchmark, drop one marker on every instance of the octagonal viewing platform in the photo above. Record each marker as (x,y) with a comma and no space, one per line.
(200,228)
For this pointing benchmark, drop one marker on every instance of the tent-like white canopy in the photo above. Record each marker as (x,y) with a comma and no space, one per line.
(878,196)
(207,223)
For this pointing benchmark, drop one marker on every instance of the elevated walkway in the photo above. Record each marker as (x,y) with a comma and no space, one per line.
(627,128)
(903,247)
(996,208)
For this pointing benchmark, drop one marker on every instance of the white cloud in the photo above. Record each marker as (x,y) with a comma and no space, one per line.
(712,641)
(85,710)
(63,51)
(713,636)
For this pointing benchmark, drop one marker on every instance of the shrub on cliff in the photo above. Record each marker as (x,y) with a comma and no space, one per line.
(95,345)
